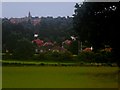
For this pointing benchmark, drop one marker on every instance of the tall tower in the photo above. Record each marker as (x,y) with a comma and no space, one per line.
(29,16)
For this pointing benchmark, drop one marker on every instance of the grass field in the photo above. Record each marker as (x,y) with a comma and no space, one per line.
(59,77)
(0,76)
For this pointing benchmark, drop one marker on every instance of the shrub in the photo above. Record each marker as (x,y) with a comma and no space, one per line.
(52,56)
(39,57)
(24,50)
(66,56)
(7,56)
(58,56)
(99,57)
(103,57)
(86,56)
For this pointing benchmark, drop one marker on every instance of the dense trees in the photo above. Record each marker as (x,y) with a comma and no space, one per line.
(24,50)
(49,29)
(17,37)
(97,23)
(55,29)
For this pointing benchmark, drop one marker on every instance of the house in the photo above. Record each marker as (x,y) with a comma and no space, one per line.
(48,44)
(67,42)
(38,42)
(88,49)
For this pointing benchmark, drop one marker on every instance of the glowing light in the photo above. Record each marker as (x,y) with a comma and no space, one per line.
(35,35)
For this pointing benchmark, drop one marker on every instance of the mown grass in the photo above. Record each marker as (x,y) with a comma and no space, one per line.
(59,77)
(52,63)
(0,75)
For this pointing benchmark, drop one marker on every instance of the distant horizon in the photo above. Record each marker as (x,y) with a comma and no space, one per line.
(36,16)
(37,9)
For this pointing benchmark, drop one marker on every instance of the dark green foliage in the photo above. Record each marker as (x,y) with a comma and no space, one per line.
(55,29)
(39,57)
(98,24)
(108,57)
(104,57)
(55,56)
(7,56)
(86,56)
(73,48)
(99,57)
(49,29)
(66,56)
(24,50)
(52,56)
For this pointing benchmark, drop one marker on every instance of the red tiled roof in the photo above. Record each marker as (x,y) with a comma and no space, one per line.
(67,42)
(87,49)
(48,44)
(38,42)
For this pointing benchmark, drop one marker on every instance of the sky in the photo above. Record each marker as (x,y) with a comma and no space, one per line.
(21,9)
(55,8)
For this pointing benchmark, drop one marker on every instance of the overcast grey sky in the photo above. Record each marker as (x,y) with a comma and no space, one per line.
(21,9)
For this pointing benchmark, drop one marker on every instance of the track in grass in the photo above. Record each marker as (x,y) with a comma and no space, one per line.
(59,77)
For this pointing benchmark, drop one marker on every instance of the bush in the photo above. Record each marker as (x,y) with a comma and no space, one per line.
(52,56)
(58,56)
(6,56)
(86,56)
(99,57)
(24,50)
(39,57)
(103,57)
(66,56)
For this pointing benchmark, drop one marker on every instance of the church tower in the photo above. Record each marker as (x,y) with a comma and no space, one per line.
(29,16)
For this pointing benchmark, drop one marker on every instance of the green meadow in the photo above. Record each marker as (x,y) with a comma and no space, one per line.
(59,77)
(0,76)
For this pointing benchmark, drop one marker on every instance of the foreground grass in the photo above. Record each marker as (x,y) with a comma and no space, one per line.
(0,76)
(59,77)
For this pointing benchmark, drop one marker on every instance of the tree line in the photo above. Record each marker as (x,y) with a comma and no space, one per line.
(49,29)
(95,24)
(98,24)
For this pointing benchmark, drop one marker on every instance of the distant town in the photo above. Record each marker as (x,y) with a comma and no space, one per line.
(41,40)
(58,38)
(33,20)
